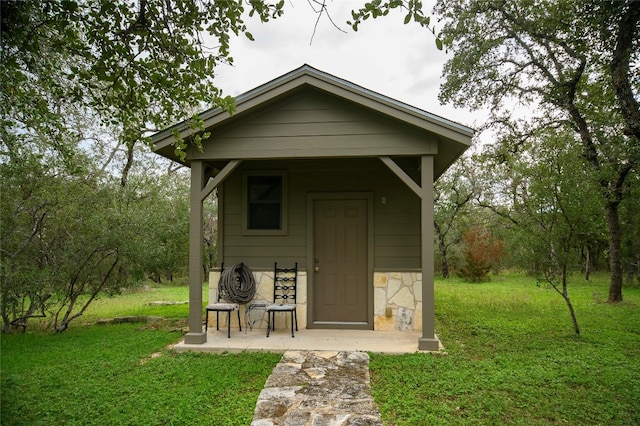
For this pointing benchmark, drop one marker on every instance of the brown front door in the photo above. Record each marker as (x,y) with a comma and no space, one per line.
(340,289)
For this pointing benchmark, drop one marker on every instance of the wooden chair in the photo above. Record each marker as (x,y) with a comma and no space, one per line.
(285,281)
(222,305)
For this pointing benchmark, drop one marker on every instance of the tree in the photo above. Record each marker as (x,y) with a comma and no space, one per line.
(156,206)
(481,252)
(59,243)
(412,10)
(630,214)
(568,64)
(135,65)
(552,203)
(210,234)
(70,233)
(452,193)
(70,71)
(71,236)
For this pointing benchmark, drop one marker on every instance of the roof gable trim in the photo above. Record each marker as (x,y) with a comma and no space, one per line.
(307,75)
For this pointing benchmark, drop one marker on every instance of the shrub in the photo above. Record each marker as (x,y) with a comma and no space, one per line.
(481,252)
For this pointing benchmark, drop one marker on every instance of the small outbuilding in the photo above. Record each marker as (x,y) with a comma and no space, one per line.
(317,170)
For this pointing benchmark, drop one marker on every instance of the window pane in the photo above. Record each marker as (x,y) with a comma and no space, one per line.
(264,202)
(265,188)
(264,216)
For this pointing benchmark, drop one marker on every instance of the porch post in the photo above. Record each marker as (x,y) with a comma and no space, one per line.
(195,336)
(428,340)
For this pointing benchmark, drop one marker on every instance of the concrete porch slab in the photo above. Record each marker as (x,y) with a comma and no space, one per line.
(391,342)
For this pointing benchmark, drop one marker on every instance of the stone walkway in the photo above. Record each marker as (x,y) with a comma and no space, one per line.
(318,388)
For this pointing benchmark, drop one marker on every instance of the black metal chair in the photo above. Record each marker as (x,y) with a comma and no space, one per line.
(285,281)
(222,305)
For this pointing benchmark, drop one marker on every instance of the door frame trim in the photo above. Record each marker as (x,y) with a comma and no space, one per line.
(311,198)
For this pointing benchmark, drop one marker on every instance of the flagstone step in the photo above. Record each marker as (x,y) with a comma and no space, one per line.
(318,388)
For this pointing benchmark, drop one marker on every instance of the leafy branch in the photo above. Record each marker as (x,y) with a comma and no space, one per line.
(413,9)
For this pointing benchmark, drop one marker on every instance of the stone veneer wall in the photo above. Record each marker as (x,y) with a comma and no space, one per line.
(264,294)
(397,301)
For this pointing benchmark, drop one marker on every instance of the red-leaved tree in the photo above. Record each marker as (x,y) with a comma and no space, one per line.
(481,252)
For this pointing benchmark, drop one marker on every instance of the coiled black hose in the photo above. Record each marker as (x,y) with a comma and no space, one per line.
(237,284)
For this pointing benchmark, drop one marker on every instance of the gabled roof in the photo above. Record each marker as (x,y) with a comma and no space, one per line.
(455,137)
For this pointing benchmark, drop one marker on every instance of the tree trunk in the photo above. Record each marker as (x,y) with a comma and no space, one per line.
(615,253)
(587,264)
(576,327)
(69,316)
(565,295)
(127,167)
(444,263)
(595,257)
(620,64)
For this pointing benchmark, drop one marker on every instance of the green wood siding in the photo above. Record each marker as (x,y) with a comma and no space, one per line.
(314,138)
(311,125)
(396,227)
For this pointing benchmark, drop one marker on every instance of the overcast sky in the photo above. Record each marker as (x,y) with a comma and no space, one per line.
(386,56)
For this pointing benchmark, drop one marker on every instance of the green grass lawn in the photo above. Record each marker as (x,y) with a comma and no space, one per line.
(137,302)
(512,359)
(106,375)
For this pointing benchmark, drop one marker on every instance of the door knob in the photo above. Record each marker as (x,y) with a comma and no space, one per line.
(317,269)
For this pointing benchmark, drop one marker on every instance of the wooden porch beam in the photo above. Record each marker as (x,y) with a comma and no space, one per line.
(217,179)
(402,175)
